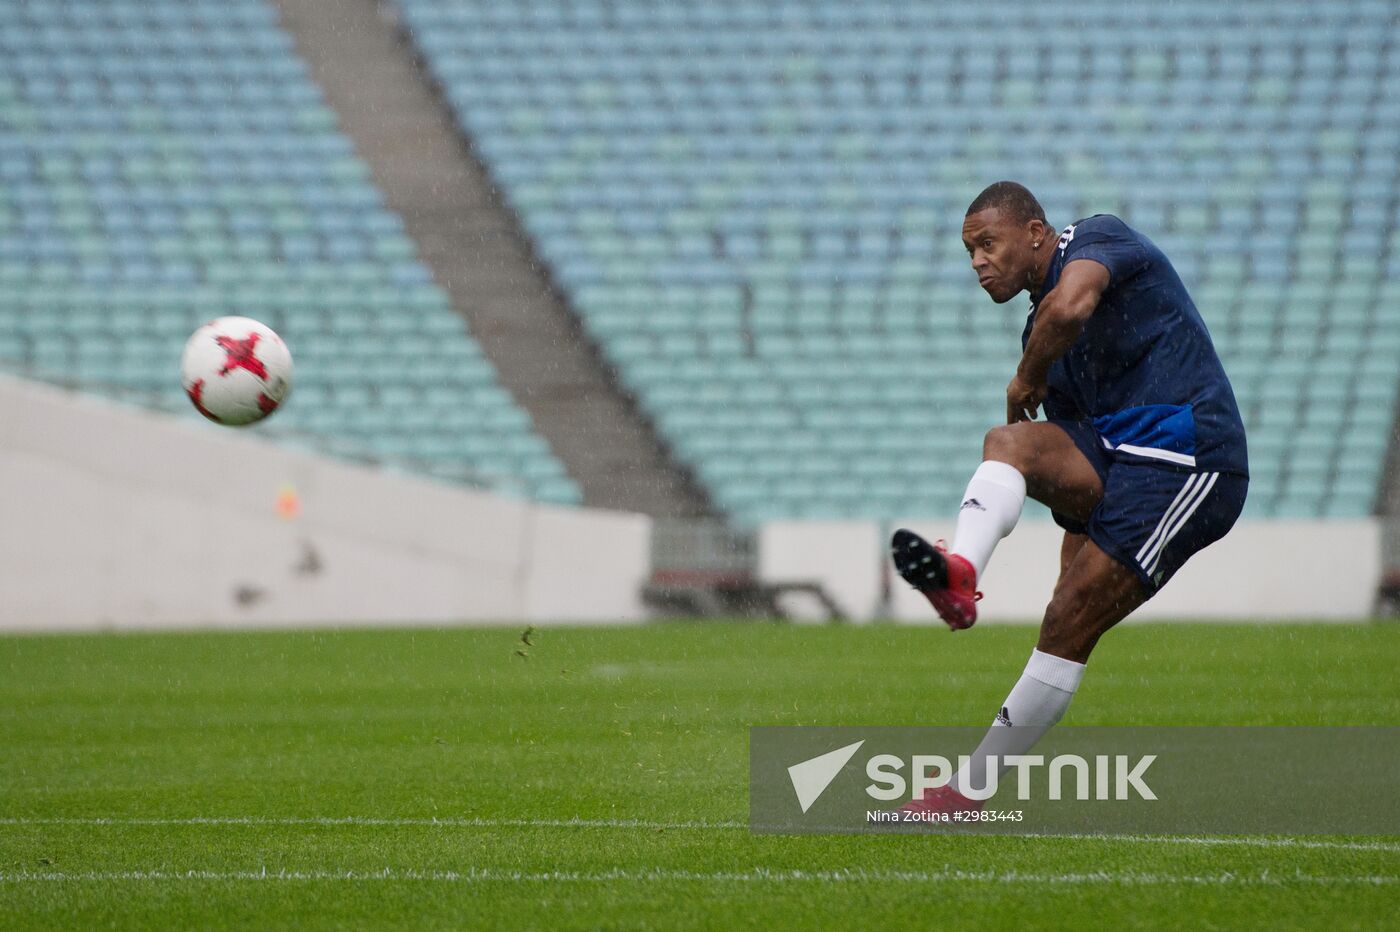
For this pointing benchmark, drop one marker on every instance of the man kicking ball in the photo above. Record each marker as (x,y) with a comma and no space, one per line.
(1141,456)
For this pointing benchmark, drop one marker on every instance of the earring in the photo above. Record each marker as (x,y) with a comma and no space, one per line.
(1035,245)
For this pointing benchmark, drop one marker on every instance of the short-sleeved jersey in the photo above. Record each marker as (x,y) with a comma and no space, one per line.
(1144,372)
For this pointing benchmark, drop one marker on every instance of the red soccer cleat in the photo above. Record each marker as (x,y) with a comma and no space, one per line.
(943,800)
(947,580)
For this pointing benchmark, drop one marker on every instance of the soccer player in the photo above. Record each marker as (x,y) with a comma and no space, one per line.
(1141,456)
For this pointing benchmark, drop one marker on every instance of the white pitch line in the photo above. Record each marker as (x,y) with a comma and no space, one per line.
(754,875)
(1256,842)
(643,824)
(443,822)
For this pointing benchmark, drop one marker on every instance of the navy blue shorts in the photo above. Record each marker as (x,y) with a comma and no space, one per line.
(1153,517)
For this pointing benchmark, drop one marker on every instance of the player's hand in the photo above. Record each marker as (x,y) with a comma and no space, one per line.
(1022,398)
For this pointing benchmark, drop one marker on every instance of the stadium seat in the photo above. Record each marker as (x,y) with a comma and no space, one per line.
(170,161)
(762,230)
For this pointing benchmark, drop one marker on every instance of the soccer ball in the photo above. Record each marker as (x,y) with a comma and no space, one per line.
(236,370)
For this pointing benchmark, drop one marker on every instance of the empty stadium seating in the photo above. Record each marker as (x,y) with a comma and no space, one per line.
(163,162)
(755,209)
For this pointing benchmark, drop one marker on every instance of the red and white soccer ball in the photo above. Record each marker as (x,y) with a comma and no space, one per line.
(236,370)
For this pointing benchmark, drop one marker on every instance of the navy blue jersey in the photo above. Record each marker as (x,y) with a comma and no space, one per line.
(1144,372)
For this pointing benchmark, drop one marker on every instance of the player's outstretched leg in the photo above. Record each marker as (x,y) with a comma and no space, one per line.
(990,509)
(1094,594)
(1040,457)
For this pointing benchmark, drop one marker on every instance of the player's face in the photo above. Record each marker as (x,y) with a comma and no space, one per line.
(1001,252)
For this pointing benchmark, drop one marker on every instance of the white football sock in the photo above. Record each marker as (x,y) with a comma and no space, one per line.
(991,507)
(1036,703)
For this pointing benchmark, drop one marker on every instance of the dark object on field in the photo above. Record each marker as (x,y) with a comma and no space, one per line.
(703,569)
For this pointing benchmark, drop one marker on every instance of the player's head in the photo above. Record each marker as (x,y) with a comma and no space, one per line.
(1005,232)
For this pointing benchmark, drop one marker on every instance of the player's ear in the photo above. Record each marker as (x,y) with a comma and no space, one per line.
(1038,231)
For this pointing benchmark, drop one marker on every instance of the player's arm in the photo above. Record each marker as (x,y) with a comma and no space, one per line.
(1059,320)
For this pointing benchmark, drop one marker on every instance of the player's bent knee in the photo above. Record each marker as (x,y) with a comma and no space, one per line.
(1005,444)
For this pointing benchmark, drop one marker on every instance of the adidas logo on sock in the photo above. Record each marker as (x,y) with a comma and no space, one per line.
(1004,716)
(972,503)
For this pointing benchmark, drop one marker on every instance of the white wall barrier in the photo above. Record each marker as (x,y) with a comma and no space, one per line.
(843,556)
(112,516)
(1261,571)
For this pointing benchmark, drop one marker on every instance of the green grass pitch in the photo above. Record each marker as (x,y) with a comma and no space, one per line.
(435,778)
